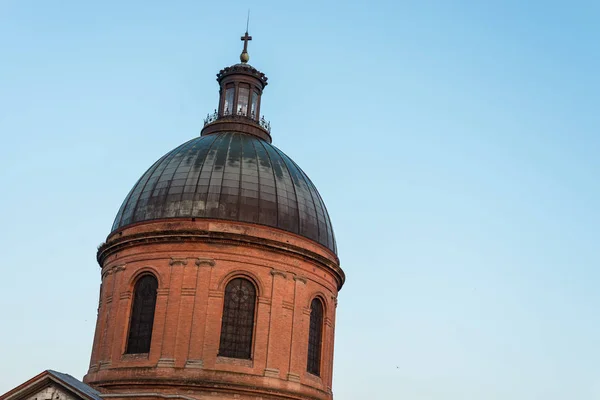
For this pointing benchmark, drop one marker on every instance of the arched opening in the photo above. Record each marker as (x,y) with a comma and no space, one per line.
(142,315)
(315,337)
(237,326)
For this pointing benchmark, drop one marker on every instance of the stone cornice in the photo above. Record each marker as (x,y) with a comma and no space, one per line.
(244,69)
(179,236)
(309,392)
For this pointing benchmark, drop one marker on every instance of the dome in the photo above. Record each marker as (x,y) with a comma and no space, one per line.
(229,176)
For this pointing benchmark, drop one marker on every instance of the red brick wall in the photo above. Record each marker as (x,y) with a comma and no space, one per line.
(288,271)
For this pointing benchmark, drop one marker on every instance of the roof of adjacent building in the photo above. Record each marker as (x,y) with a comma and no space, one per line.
(48,378)
(230,176)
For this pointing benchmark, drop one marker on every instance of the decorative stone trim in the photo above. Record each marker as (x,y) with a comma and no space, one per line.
(287,305)
(177,261)
(146,395)
(301,279)
(293,377)
(216,293)
(162,292)
(109,299)
(234,361)
(272,372)
(125,295)
(113,270)
(205,261)
(132,357)
(276,272)
(166,363)
(306,310)
(264,300)
(328,322)
(103,365)
(178,236)
(194,364)
(242,69)
(188,291)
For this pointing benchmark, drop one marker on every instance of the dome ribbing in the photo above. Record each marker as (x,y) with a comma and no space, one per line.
(230,176)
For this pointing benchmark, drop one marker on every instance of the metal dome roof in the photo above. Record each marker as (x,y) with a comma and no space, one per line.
(230,176)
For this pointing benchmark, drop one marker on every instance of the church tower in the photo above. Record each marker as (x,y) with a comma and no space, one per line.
(220,275)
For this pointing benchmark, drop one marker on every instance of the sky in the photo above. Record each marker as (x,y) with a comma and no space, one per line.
(455,145)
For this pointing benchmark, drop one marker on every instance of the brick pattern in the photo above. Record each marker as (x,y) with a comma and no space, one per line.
(192,278)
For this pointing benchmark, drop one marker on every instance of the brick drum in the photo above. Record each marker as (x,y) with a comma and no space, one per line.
(193,260)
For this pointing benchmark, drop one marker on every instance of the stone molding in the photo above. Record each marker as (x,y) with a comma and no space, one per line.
(194,364)
(234,361)
(136,356)
(146,395)
(126,295)
(166,363)
(264,300)
(293,377)
(188,291)
(205,261)
(113,270)
(301,279)
(276,272)
(103,365)
(271,372)
(177,261)
(179,236)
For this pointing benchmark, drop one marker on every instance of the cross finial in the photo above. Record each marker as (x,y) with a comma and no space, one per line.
(244,57)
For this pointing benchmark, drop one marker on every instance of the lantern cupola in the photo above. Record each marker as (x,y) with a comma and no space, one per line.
(240,93)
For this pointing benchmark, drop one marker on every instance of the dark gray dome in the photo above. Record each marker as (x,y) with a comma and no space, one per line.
(231,176)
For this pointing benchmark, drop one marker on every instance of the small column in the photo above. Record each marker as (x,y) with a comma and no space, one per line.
(118,322)
(276,348)
(261,331)
(236,95)
(109,309)
(186,312)
(100,321)
(198,315)
(212,327)
(297,364)
(330,325)
(160,318)
(167,355)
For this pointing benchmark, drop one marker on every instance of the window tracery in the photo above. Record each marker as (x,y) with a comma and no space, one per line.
(142,315)
(237,324)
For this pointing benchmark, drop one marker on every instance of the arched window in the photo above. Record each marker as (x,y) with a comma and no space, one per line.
(238,319)
(315,337)
(142,315)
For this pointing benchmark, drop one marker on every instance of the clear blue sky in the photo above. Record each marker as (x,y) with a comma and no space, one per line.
(455,144)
